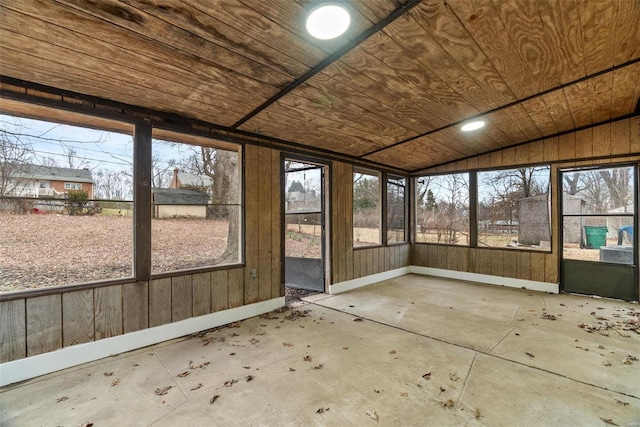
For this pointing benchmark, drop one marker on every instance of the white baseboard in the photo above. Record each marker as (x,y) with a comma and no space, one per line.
(35,366)
(347,285)
(532,285)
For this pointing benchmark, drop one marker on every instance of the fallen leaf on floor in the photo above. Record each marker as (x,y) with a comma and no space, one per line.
(620,402)
(321,410)
(161,391)
(608,421)
(86,425)
(213,399)
(392,352)
(232,354)
(528,353)
(115,382)
(404,394)
(196,387)
(520,319)
(229,383)
(307,358)
(601,347)
(548,316)
(447,403)
(246,367)
(562,304)
(345,348)
(600,308)
(291,370)
(183,374)
(373,415)
(248,378)
(427,376)
(318,366)
(628,360)
(442,389)
(476,413)
(517,334)
(606,363)
(62,399)
(375,390)
(108,374)
(287,344)
(358,319)
(193,365)
(453,376)
(601,318)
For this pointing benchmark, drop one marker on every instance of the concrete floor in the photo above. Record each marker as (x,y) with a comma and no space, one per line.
(409,351)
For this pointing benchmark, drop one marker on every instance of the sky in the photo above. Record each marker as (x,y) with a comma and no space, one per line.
(94,149)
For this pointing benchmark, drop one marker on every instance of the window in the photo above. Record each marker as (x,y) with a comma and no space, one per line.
(514,208)
(367,208)
(72,186)
(442,209)
(396,209)
(598,208)
(196,207)
(65,203)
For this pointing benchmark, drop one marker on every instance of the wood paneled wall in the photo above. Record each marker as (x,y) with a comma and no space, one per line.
(614,142)
(349,263)
(41,324)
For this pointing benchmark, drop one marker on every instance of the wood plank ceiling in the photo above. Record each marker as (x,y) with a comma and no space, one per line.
(393,90)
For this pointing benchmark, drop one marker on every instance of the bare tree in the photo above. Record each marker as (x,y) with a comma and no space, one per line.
(222,167)
(161,171)
(73,160)
(113,185)
(572,183)
(618,182)
(16,153)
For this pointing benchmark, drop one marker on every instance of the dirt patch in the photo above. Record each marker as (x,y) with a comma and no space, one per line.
(43,250)
(38,251)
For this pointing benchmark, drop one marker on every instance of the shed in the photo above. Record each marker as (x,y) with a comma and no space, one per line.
(178,203)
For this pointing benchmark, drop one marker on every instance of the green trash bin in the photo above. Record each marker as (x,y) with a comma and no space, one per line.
(596,236)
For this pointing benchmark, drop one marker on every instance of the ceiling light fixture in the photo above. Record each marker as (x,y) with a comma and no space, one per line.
(475,125)
(327,21)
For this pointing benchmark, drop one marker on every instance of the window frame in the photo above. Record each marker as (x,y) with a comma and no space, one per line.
(192,138)
(142,133)
(473,208)
(380,207)
(407,191)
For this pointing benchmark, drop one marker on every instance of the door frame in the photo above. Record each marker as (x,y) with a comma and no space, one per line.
(326,191)
(590,267)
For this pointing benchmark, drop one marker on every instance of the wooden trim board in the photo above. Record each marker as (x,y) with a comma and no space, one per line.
(488,279)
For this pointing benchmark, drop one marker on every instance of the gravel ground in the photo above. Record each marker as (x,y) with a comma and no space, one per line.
(44,250)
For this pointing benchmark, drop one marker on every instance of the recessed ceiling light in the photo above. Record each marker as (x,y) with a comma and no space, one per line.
(327,21)
(475,125)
